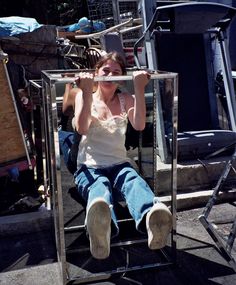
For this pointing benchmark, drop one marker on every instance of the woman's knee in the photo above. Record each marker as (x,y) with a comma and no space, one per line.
(89,183)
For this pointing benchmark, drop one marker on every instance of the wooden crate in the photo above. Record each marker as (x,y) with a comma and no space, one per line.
(11,141)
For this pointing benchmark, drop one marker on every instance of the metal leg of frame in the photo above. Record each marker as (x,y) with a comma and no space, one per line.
(224,247)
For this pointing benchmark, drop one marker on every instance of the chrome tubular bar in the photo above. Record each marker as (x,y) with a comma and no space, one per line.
(153,75)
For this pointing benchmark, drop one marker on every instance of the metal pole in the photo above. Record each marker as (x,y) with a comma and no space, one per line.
(147,8)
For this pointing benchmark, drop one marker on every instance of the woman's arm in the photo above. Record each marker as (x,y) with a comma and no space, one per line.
(83,102)
(136,105)
(68,103)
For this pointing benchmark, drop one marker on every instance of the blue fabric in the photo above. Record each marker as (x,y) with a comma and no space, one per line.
(10,26)
(87,26)
(66,141)
(116,183)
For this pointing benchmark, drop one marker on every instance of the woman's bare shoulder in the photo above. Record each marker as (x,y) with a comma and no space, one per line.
(128,100)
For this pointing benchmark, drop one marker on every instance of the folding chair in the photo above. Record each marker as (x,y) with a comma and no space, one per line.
(92,55)
(184,38)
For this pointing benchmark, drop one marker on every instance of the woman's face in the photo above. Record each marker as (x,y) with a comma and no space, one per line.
(110,68)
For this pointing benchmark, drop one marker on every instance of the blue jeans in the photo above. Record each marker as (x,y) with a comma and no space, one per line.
(116,183)
(69,142)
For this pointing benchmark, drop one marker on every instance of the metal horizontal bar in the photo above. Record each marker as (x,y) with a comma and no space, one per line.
(130,29)
(82,227)
(113,245)
(36,83)
(104,276)
(99,34)
(157,75)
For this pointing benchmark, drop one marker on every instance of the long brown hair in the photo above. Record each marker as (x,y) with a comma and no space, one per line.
(114,56)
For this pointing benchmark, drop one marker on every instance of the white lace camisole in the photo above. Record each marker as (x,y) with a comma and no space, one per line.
(104,144)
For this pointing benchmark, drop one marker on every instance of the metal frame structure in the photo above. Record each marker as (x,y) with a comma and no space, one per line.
(53,172)
(122,16)
(38,126)
(179,23)
(219,31)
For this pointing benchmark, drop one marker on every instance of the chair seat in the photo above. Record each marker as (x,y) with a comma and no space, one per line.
(203,144)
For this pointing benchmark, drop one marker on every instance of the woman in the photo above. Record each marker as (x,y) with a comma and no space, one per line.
(104,173)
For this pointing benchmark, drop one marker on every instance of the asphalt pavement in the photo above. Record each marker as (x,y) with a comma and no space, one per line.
(29,256)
